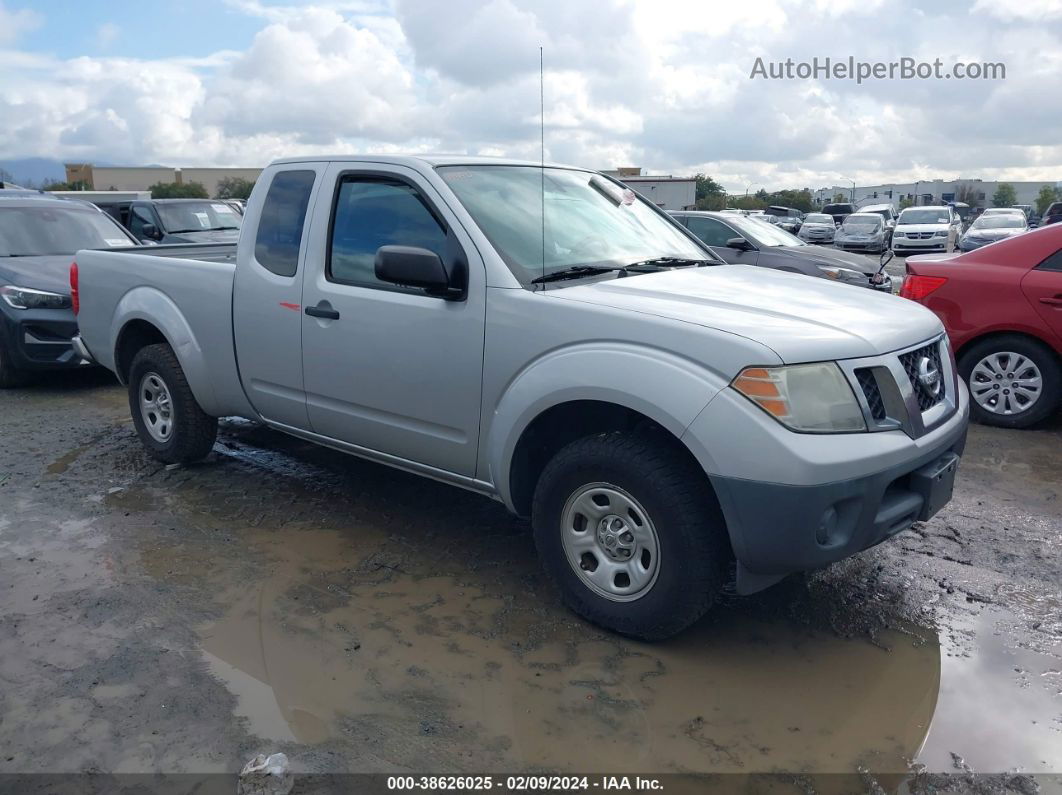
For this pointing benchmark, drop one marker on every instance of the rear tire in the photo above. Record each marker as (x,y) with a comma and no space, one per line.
(169,421)
(655,511)
(980,361)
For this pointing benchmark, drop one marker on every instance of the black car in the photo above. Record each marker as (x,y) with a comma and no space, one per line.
(747,241)
(1052,215)
(839,211)
(39,235)
(178,220)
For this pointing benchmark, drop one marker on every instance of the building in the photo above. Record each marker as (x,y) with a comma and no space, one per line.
(140,178)
(931,192)
(666,192)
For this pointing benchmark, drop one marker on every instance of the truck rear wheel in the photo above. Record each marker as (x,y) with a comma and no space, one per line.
(626,526)
(167,417)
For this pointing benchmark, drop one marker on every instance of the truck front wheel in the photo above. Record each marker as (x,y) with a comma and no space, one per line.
(626,526)
(167,417)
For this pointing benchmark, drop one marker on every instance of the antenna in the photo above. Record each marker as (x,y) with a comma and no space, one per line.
(542,153)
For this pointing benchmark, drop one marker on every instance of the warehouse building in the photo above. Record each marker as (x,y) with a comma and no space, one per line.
(666,192)
(139,178)
(932,192)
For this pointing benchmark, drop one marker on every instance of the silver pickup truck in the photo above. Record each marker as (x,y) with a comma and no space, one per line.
(546,337)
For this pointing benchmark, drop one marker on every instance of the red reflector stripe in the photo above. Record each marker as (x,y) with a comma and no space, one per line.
(288,305)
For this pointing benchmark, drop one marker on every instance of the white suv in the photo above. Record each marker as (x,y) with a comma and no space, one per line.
(923,229)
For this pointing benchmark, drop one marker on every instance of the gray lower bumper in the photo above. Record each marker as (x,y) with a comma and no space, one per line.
(785,529)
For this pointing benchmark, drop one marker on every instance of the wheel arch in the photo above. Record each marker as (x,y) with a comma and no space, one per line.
(1028,333)
(146,316)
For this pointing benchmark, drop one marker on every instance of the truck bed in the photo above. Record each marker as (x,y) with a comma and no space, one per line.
(185,293)
(201,252)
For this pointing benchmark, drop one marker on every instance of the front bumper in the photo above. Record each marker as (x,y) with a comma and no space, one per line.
(796,502)
(927,246)
(39,339)
(859,245)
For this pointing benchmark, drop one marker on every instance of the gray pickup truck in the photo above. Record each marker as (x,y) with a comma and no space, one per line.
(545,337)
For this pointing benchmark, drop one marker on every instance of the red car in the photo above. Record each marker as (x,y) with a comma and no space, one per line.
(1002,307)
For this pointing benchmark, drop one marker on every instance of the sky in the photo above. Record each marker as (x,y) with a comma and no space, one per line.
(661,84)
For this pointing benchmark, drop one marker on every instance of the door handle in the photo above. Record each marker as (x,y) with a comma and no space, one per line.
(1056,301)
(323,310)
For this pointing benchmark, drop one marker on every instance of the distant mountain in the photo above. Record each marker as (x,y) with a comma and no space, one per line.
(34,170)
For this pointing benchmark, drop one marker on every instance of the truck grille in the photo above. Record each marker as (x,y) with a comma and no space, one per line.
(912,361)
(869,384)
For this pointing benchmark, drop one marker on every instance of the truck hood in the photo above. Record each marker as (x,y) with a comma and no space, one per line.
(49,272)
(801,318)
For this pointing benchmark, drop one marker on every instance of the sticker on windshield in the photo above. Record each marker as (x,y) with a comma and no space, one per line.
(117,241)
(204,219)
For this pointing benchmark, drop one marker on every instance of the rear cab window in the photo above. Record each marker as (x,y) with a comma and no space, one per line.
(279,236)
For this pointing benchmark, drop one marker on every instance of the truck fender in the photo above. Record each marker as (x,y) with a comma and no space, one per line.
(155,307)
(669,389)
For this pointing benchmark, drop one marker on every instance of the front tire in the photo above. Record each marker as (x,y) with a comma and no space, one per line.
(169,421)
(10,376)
(1014,381)
(627,527)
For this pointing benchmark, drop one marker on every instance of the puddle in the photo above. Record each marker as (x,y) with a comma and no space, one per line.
(310,659)
(61,464)
(1000,706)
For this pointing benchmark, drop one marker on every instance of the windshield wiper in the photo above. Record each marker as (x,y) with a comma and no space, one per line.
(672,262)
(203,229)
(575,272)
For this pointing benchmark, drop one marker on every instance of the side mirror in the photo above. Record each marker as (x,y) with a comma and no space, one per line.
(409,266)
(739,243)
(151,232)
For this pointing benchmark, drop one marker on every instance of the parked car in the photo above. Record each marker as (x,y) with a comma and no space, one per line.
(924,229)
(887,212)
(38,236)
(657,413)
(817,228)
(992,227)
(750,242)
(1002,307)
(1052,215)
(789,218)
(839,211)
(862,232)
(178,220)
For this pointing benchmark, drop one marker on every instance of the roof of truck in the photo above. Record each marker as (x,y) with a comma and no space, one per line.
(431,160)
(27,198)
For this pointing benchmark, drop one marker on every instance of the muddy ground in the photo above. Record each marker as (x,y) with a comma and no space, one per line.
(285,597)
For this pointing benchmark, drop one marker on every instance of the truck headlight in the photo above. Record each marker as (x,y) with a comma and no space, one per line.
(27,298)
(811,398)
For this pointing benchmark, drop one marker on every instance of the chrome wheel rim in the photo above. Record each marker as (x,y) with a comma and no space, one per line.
(610,542)
(156,409)
(1006,383)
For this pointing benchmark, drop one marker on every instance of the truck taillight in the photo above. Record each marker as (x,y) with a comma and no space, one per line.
(74,300)
(918,287)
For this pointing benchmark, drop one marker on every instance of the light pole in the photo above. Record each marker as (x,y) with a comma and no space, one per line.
(849,179)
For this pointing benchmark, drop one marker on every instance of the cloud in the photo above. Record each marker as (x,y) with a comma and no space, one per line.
(14,23)
(659,83)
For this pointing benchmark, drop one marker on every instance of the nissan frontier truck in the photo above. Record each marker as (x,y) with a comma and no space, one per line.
(542,335)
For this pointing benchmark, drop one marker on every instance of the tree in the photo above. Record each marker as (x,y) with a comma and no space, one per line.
(6,176)
(710,194)
(839,198)
(240,188)
(906,202)
(79,185)
(966,193)
(1004,196)
(1046,196)
(178,190)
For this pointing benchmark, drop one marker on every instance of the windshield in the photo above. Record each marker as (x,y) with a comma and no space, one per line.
(923,216)
(764,234)
(819,218)
(44,230)
(590,220)
(195,216)
(864,223)
(838,209)
(999,221)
